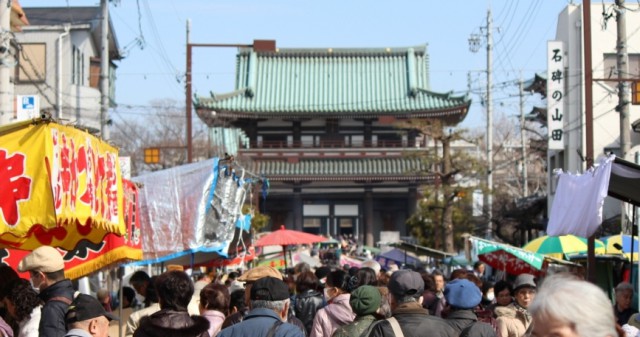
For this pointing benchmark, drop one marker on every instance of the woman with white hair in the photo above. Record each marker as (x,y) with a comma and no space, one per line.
(566,306)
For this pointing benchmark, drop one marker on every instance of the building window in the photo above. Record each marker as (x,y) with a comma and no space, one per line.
(77,67)
(94,72)
(332,125)
(312,223)
(346,226)
(32,62)
(309,141)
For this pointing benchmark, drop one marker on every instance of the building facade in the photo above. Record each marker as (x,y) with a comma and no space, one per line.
(59,62)
(606,119)
(322,126)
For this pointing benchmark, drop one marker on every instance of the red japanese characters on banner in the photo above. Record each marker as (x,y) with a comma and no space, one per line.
(14,185)
(71,163)
(60,185)
(88,257)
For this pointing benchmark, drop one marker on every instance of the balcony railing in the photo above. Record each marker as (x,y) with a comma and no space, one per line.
(328,144)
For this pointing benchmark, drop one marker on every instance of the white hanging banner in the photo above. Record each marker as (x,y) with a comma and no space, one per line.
(577,206)
(555,94)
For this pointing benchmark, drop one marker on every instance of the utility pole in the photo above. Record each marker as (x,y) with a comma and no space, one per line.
(622,66)
(188,102)
(588,116)
(523,140)
(258,45)
(6,89)
(104,71)
(623,86)
(489,234)
(474,45)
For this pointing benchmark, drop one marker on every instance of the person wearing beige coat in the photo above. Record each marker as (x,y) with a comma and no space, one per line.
(514,319)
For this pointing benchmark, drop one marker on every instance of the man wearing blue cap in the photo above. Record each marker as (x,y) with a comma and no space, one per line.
(409,318)
(267,318)
(462,297)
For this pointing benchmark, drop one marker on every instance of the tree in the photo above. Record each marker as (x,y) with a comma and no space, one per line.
(444,212)
(515,214)
(163,127)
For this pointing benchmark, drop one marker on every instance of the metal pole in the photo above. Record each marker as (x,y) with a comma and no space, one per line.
(104,71)
(622,66)
(633,236)
(588,113)
(523,140)
(623,86)
(120,272)
(488,234)
(6,88)
(188,98)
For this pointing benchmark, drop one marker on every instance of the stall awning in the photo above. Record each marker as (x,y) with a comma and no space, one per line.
(421,250)
(624,183)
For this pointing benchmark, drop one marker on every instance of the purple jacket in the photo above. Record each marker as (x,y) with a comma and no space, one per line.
(215,319)
(336,314)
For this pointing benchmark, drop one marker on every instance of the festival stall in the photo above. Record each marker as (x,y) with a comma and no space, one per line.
(191,215)
(398,257)
(515,261)
(62,187)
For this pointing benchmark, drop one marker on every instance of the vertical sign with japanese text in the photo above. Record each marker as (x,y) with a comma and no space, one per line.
(555,94)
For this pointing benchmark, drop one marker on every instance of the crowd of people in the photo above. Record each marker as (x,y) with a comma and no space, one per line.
(322,302)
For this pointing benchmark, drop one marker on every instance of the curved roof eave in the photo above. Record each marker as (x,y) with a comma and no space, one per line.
(424,178)
(214,117)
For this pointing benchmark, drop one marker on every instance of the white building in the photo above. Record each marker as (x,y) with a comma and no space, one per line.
(606,120)
(59,61)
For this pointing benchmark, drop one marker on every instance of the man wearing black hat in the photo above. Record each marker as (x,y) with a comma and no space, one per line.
(86,317)
(269,307)
(409,319)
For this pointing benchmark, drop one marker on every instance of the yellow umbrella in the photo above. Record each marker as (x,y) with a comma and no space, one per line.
(622,244)
(558,246)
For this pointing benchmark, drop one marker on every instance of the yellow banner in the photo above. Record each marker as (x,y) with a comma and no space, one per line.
(59,185)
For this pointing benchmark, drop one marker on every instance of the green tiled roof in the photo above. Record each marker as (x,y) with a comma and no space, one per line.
(334,169)
(332,83)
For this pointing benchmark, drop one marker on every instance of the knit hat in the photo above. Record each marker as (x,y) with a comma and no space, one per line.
(462,294)
(365,300)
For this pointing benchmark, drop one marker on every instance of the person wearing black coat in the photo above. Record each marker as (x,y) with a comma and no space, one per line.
(46,272)
(174,289)
(307,301)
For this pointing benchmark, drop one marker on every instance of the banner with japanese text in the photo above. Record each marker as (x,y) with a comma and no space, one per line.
(88,257)
(555,94)
(60,186)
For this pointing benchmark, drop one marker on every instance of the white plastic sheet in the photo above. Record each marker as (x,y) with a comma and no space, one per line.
(195,207)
